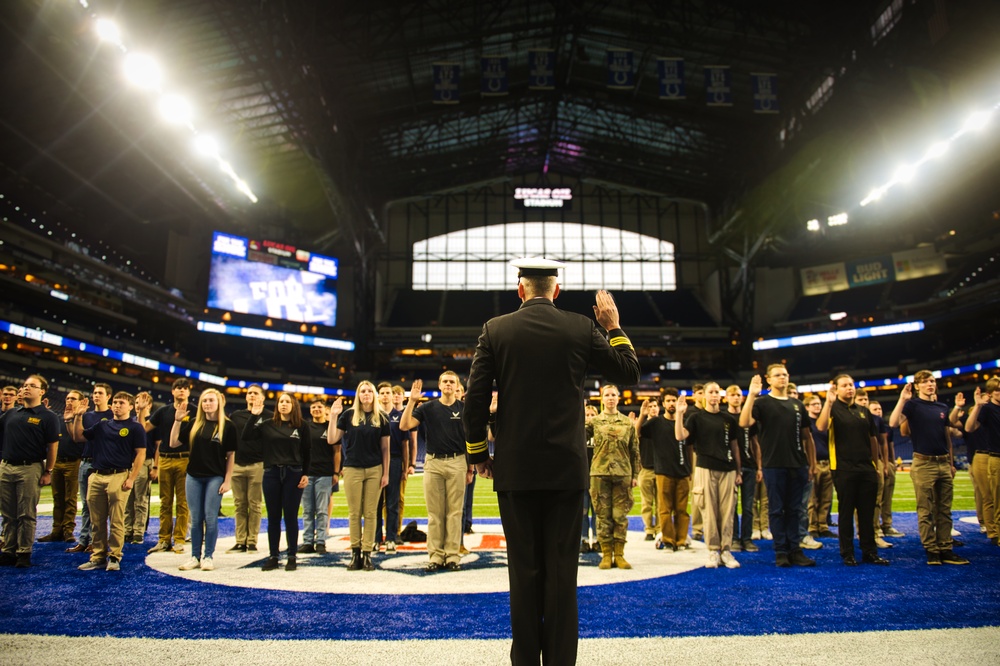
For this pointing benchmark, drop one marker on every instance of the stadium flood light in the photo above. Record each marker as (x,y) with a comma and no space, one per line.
(143,71)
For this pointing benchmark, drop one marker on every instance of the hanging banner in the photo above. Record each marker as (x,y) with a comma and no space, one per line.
(671,76)
(494,76)
(446,76)
(541,69)
(765,93)
(620,74)
(824,279)
(912,264)
(875,270)
(718,85)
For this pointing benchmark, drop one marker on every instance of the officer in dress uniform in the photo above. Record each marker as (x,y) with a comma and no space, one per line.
(538,357)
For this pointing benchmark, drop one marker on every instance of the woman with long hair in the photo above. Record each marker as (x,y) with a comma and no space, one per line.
(363,432)
(286,442)
(212,441)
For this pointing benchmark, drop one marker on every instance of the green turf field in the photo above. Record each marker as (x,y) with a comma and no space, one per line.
(485,501)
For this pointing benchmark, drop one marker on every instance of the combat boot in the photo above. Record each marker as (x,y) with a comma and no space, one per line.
(606,549)
(356,563)
(620,560)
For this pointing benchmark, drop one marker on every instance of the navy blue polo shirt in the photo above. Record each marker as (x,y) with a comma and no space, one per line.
(397,436)
(26,432)
(90,419)
(821,440)
(362,444)
(989,421)
(114,443)
(928,423)
(445,433)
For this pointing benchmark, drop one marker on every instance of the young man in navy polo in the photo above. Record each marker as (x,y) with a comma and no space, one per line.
(29,441)
(101,396)
(119,448)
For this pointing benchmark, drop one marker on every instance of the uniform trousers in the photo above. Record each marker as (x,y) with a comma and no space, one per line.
(282,497)
(86,530)
(247,494)
(613,499)
(979,473)
(785,487)
(172,478)
(718,504)
(65,485)
(137,507)
(107,498)
(888,488)
(362,490)
(880,469)
(444,492)
(672,499)
(856,490)
(993,481)
(761,519)
(647,493)
(743,528)
(19,493)
(933,486)
(541,528)
(821,499)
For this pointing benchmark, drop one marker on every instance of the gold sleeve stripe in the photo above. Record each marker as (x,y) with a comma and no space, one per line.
(620,340)
(475,447)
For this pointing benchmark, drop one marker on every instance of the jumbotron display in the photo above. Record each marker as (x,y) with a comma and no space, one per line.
(272,279)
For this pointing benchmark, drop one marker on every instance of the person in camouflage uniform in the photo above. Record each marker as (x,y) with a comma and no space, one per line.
(613,473)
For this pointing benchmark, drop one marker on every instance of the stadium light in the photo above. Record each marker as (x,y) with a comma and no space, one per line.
(905,173)
(977,121)
(813,225)
(108,32)
(143,71)
(937,150)
(837,220)
(176,110)
(206,146)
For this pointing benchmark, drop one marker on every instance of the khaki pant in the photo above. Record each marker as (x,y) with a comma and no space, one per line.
(880,469)
(993,481)
(697,520)
(718,502)
(888,488)
(247,493)
(672,498)
(19,493)
(979,473)
(65,487)
(137,507)
(402,498)
(647,492)
(361,489)
(932,484)
(821,500)
(173,476)
(760,507)
(106,499)
(444,492)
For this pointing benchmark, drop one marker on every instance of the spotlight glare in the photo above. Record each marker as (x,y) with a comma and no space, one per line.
(937,150)
(977,121)
(108,31)
(812,225)
(176,110)
(837,220)
(142,71)
(874,195)
(206,146)
(905,174)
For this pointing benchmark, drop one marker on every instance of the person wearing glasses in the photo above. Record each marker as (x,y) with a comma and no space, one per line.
(29,440)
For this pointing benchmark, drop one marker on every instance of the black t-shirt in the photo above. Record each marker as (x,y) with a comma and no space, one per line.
(362,444)
(851,431)
(646,447)
(89,420)
(989,421)
(68,449)
(928,423)
(209,451)
(713,433)
(821,440)
(252,451)
(669,456)
(321,457)
(747,455)
(779,431)
(163,420)
(397,436)
(445,434)
(26,432)
(282,444)
(114,443)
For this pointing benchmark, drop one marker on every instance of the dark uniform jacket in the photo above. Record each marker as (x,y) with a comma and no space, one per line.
(539,356)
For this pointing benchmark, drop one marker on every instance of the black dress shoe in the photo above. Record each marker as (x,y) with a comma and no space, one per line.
(8,559)
(781,559)
(650,537)
(433,567)
(307,548)
(849,560)
(452,566)
(799,559)
(955,543)
(49,537)
(270,565)
(238,548)
(874,559)
(23,560)
(827,534)
(355,563)
(291,565)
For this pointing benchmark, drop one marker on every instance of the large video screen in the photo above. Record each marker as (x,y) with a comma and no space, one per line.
(272,280)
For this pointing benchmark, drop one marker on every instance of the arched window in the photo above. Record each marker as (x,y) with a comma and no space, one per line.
(596,257)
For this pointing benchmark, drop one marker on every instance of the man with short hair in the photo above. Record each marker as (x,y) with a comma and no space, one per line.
(170,469)
(647,475)
(881,463)
(8,397)
(446,471)
(65,476)
(398,396)
(119,450)
(399,468)
(248,474)
(789,460)
(100,395)
(137,506)
(539,356)
(889,485)
(985,415)
(29,441)
(698,396)
(752,473)
(821,498)
(672,465)
(933,468)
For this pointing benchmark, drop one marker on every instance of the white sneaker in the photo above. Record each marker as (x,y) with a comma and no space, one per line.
(893,532)
(982,529)
(207,564)
(113,565)
(713,560)
(190,565)
(809,543)
(766,534)
(756,536)
(729,560)
(882,543)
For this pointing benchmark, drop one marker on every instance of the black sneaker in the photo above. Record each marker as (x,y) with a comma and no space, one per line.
(290,565)
(452,566)
(749,546)
(584,547)
(238,548)
(781,559)
(799,559)
(433,567)
(933,558)
(270,565)
(955,543)
(307,549)
(849,560)
(251,548)
(827,534)
(320,549)
(947,557)
(23,560)
(8,559)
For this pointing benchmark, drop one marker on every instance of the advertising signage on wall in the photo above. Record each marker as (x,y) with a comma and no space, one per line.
(906,265)
(543,197)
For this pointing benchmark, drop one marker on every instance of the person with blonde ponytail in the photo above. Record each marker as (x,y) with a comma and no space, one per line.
(212,440)
(363,433)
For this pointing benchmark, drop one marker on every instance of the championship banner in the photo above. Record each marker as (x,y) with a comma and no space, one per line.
(913,264)
(875,270)
(765,93)
(446,76)
(620,74)
(671,77)
(824,279)
(494,76)
(718,85)
(541,69)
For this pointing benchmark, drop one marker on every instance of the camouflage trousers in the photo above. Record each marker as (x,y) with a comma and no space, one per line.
(612,498)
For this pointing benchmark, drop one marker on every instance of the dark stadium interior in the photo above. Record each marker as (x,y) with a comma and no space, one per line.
(326,111)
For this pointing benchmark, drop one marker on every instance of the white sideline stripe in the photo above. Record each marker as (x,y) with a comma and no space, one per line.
(938,646)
